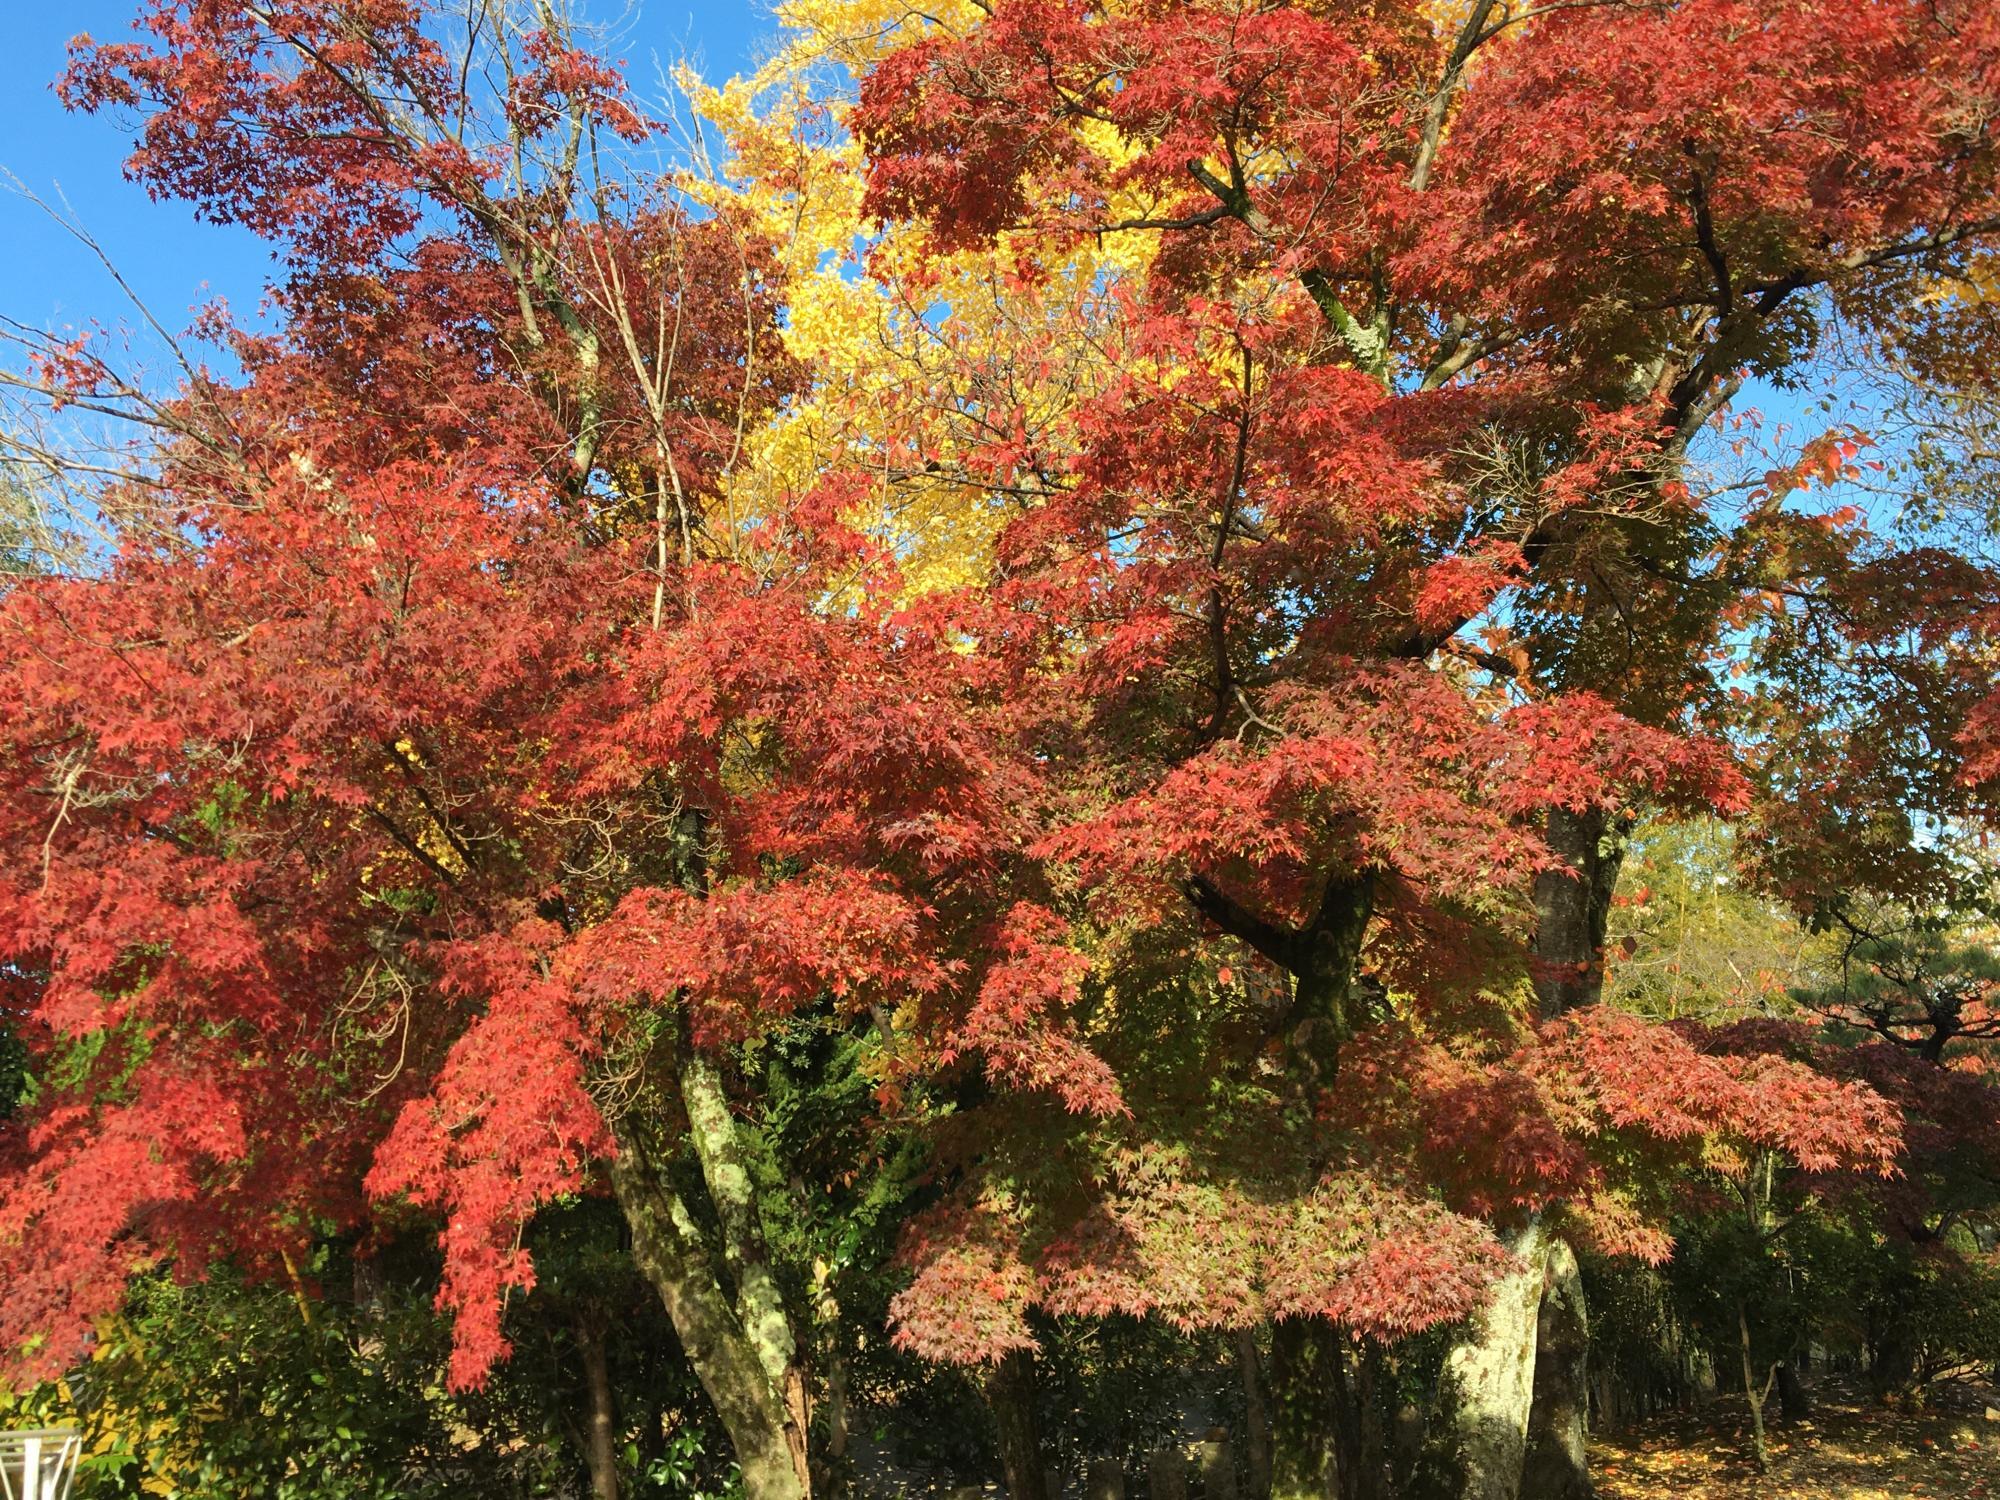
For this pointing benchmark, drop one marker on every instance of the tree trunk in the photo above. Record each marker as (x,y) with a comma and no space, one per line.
(836,1405)
(1573,910)
(1793,1401)
(754,1409)
(1256,1413)
(1479,1440)
(1512,1441)
(1557,1466)
(600,1448)
(1361,1450)
(1753,1394)
(1010,1394)
(1406,1448)
(1304,1403)
(725,1149)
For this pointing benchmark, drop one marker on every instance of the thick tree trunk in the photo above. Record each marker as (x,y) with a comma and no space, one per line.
(1256,1413)
(1516,1411)
(729,1350)
(1479,1439)
(600,1447)
(1572,910)
(1010,1394)
(1557,1466)
(1304,1385)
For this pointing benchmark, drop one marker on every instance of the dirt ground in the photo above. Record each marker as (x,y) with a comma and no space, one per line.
(1850,1450)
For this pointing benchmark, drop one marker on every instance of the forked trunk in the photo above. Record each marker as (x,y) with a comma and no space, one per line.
(1755,1395)
(731,1353)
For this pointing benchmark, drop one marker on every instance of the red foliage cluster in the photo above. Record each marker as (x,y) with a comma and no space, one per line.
(1376,1258)
(449,734)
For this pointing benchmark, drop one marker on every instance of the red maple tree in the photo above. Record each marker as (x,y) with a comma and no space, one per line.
(453,775)
(445,775)
(1387,584)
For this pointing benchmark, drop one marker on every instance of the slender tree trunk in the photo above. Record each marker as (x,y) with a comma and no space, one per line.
(836,1406)
(1256,1413)
(721,1344)
(1479,1439)
(832,1473)
(368,1296)
(1304,1406)
(600,1448)
(1752,1394)
(1557,1466)
(1010,1394)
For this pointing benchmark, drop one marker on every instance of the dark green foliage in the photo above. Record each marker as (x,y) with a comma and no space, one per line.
(223,1389)
(1120,1387)
(227,1388)
(13,1070)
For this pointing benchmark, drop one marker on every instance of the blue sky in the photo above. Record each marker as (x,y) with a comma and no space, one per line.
(173,261)
(47,280)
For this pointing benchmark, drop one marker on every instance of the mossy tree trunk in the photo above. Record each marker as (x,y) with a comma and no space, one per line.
(727,1309)
(1557,1464)
(1479,1435)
